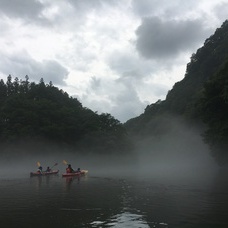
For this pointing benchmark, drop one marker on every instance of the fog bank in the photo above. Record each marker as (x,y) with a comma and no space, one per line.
(179,152)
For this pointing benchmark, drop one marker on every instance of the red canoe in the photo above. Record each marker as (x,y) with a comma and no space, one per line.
(82,172)
(44,173)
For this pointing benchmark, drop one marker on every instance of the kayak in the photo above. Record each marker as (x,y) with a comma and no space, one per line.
(44,173)
(82,172)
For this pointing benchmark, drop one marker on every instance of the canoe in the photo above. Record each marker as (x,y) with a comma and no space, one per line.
(44,173)
(82,172)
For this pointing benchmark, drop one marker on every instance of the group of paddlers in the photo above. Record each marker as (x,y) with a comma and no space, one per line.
(40,169)
(69,169)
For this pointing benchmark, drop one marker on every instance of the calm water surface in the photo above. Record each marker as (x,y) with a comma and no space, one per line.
(96,201)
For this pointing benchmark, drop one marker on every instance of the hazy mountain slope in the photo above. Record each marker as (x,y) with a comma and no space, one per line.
(185,103)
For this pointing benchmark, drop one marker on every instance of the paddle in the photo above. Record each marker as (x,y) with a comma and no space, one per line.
(54,165)
(39,165)
(65,162)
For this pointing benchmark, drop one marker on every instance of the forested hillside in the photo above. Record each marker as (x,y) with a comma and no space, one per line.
(199,100)
(37,115)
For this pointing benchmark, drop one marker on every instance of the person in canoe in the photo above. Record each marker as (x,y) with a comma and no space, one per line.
(40,169)
(69,169)
(78,170)
(48,169)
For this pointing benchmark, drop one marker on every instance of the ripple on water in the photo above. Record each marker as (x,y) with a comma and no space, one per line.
(128,219)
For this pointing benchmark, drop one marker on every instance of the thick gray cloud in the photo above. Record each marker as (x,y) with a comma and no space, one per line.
(123,63)
(128,65)
(85,5)
(52,13)
(159,39)
(95,83)
(163,8)
(221,11)
(22,64)
(127,105)
(125,101)
(21,8)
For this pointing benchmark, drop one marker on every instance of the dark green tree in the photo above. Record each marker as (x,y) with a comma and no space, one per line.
(214,112)
(42,112)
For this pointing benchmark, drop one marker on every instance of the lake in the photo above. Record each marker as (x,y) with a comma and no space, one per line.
(115,201)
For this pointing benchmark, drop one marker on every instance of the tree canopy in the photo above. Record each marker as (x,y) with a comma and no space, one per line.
(32,111)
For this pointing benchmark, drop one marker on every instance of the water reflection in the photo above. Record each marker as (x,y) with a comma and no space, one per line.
(69,181)
(125,219)
(111,202)
(43,181)
(128,214)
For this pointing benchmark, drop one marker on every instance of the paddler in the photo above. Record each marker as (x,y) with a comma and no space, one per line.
(78,170)
(69,169)
(40,169)
(48,169)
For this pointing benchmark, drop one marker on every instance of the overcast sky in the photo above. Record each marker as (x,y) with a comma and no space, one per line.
(115,56)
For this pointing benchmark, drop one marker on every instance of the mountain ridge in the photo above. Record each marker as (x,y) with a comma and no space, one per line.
(185,99)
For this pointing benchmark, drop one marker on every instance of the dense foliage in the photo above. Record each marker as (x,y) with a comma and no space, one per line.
(204,64)
(200,98)
(31,112)
(213,108)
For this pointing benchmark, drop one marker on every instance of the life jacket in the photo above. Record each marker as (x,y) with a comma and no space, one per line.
(68,170)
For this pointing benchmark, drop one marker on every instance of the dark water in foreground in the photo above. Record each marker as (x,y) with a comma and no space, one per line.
(96,201)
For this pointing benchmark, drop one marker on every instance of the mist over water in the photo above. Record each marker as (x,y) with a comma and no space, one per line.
(169,181)
(169,157)
(179,153)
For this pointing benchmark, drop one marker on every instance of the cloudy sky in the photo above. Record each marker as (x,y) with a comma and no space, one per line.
(115,56)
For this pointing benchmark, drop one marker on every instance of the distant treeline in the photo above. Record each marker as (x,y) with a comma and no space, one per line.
(38,113)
